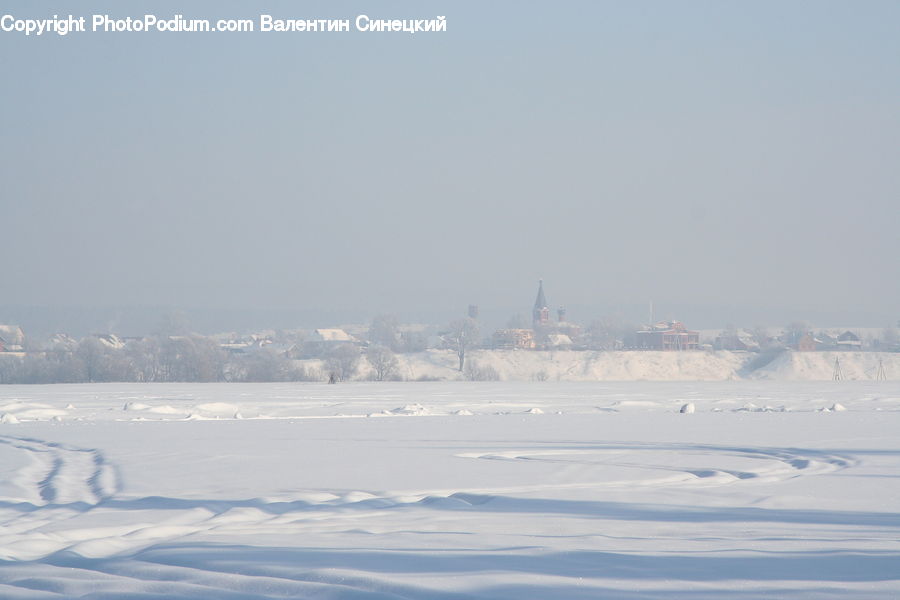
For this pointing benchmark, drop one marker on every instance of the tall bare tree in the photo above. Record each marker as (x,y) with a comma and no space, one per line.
(462,336)
(383,362)
(343,361)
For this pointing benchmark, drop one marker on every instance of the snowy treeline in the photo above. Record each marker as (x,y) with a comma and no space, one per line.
(157,358)
(386,350)
(194,358)
(197,359)
(175,355)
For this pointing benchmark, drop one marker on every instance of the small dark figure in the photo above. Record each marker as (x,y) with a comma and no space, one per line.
(332,378)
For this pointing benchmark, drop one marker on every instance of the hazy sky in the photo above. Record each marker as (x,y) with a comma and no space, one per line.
(729,154)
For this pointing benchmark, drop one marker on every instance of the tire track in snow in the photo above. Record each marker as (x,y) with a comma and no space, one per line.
(45,486)
(60,474)
(776,464)
(66,478)
(56,484)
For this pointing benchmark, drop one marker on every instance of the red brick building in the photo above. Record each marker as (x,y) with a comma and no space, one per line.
(671,336)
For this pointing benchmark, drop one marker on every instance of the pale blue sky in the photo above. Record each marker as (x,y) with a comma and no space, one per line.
(730,154)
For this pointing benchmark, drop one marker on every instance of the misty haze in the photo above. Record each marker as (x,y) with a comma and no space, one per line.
(450,300)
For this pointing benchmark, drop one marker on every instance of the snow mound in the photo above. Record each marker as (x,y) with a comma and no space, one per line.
(163,409)
(410,409)
(8,419)
(20,406)
(535,411)
(750,407)
(353,497)
(220,408)
(688,409)
(838,407)
(41,414)
(463,412)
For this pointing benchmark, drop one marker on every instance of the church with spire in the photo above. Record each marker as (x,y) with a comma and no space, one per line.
(540,316)
(545,334)
(551,334)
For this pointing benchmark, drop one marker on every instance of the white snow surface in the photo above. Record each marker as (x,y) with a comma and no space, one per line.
(451,490)
(568,365)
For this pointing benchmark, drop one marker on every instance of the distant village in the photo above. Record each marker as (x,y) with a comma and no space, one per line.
(369,351)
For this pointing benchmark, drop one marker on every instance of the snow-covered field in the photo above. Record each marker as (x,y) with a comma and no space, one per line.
(451,490)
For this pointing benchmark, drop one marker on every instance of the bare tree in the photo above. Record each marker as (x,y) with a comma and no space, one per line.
(263,365)
(206,360)
(477,372)
(91,353)
(191,358)
(100,362)
(343,361)
(146,358)
(463,335)
(383,361)
(9,369)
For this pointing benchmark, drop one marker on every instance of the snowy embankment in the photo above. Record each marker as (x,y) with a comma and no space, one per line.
(450,490)
(820,366)
(520,365)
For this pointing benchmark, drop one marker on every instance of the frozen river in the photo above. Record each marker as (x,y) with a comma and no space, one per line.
(450,490)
